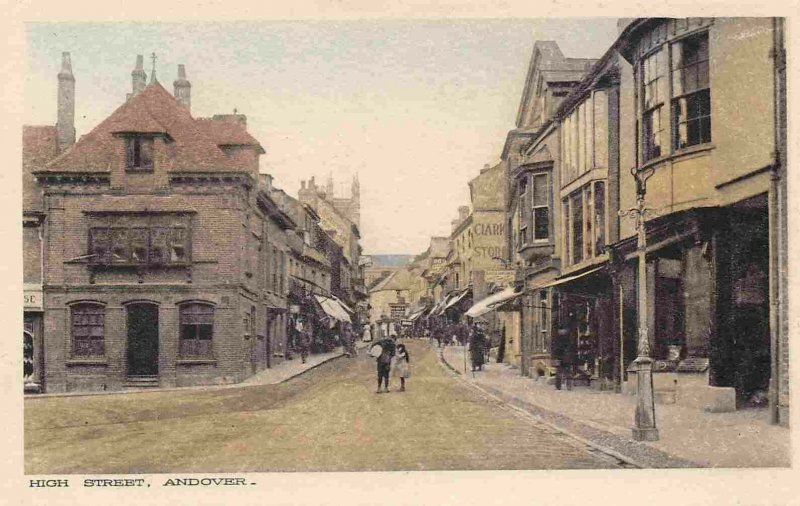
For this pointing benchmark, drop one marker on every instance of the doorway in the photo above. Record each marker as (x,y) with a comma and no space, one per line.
(142,339)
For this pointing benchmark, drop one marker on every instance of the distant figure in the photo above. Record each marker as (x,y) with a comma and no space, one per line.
(304,344)
(477,345)
(367,337)
(384,362)
(401,369)
(392,330)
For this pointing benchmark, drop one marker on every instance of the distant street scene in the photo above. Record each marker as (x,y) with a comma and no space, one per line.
(395,245)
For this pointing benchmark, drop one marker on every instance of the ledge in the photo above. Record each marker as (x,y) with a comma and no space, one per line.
(87,361)
(677,155)
(196,361)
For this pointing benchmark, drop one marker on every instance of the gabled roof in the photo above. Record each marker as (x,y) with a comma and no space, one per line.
(548,64)
(155,111)
(39,145)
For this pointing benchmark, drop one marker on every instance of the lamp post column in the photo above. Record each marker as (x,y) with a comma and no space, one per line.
(645,425)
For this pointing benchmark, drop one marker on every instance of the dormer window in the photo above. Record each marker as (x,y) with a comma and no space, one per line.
(138,153)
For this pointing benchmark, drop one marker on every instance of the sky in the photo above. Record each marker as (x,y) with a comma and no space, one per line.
(415,108)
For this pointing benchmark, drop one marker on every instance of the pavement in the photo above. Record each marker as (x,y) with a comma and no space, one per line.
(279,373)
(328,419)
(688,437)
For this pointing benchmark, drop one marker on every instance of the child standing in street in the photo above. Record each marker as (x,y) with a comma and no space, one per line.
(401,366)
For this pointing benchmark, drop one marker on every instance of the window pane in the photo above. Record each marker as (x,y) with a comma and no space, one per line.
(576,206)
(600,217)
(541,219)
(130,153)
(540,190)
(146,153)
(178,245)
(119,245)
(99,245)
(651,134)
(204,332)
(139,245)
(158,245)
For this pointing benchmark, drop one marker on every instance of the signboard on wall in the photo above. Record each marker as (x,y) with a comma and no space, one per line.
(32,297)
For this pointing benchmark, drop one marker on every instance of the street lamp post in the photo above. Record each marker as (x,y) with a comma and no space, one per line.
(645,424)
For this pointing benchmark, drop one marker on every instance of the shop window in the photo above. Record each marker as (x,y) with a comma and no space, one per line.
(88,330)
(651,102)
(196,329)
(691,102)
(138,153)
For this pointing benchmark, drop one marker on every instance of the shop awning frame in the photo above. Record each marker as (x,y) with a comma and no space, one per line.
(560,281)
(333,309)
(493,301)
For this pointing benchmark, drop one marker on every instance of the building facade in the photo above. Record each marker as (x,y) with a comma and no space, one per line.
(163,256)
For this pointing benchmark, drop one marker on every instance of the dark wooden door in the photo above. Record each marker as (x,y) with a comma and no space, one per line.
(142,340)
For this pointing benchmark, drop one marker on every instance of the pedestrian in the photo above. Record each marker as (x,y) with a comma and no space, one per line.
(367,337)
(477,344)
(401,368)
(437,334)
(384,362)
(304,342)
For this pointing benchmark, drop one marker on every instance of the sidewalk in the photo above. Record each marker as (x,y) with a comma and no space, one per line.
(279,373)
(688,437)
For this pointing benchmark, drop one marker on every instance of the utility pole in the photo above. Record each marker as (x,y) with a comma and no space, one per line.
(645,425)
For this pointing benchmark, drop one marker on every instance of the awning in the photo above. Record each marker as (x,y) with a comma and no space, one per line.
(493,301)
(344,306)
(413,316)
(569,278)
(454,300)
(333,309)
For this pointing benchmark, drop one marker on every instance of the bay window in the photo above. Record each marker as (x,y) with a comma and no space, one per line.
(584,217)
(652,100)
(139,245)
(691,102)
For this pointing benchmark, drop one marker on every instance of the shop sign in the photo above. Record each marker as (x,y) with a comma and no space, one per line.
(32,297)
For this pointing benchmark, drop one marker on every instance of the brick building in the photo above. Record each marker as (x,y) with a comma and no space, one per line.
(163,254)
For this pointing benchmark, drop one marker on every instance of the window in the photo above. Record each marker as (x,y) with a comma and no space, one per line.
(88,330)
(691,103)
(138,153)
(139,245)
(652,100)
(541,208)
(196,329)
(600,217)
(576,206)
(544,320)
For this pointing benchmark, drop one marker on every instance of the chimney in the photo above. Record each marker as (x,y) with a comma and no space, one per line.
(65,125)
(485,168)
(138,76)
(463,212)
(183,88)
(303,184)
(454,225)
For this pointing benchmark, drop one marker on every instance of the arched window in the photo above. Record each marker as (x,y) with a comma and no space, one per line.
(88,330)
(196,329)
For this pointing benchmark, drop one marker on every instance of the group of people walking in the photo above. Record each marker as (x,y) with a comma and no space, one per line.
(392,359)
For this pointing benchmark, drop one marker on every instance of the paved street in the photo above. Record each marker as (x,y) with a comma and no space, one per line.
(329,419)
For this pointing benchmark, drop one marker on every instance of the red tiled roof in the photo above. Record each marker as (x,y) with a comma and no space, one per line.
(39,146)
(228,133)
(196,146)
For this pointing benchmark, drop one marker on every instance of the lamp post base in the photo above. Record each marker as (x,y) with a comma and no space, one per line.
(648,434)
(645,427)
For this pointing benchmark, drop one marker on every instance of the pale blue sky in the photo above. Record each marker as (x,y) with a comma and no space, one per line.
(416,107)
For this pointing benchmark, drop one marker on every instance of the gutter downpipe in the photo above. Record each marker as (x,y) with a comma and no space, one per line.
(776,234)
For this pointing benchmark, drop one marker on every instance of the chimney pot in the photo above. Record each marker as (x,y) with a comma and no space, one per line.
(138,76)
(183,88)
(65,124)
